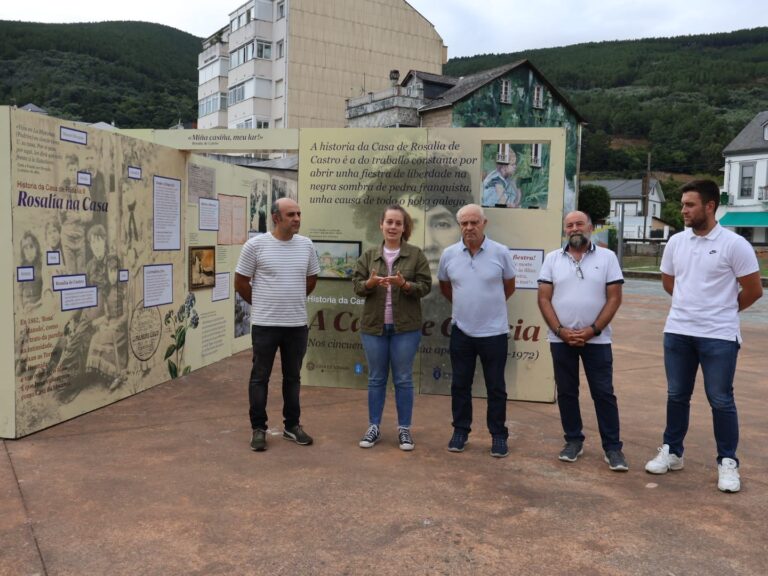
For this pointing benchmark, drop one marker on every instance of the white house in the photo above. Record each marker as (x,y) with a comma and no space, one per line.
(744,198)
(629,195)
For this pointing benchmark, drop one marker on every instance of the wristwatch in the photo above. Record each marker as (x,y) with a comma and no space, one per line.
(597,330)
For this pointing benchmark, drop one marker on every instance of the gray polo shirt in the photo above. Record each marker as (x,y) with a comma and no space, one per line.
(579,288)
(477,283)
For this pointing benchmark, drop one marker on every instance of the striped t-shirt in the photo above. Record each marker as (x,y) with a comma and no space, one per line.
(278,270)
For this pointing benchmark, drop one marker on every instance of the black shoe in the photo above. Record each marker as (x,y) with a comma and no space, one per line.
(297,434)
(499,447)
(458,441)
(372,435)
(571,451)
(405,439)
(259,440)
(616,461)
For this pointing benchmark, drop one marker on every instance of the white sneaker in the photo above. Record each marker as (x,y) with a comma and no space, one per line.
(664,462)
(728,476)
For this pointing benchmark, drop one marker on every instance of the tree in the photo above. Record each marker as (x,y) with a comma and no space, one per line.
(595,201)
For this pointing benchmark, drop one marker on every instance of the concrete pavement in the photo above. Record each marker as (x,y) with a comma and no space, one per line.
(164,483)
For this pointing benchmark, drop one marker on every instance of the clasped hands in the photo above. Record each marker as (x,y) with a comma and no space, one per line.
(577,338)
(376,280)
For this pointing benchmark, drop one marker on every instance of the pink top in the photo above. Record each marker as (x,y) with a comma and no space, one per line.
(389,257)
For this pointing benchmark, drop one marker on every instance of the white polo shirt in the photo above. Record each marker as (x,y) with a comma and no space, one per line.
(705,296)
(579,290)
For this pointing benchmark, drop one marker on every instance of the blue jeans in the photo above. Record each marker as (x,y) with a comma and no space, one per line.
(398,351)
(598,366)
(493,358)
(292,343)
(717,358)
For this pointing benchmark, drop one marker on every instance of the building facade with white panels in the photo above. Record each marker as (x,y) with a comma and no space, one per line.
(293,63)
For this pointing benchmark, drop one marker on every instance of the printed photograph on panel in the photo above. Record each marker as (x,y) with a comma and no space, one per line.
(515,175)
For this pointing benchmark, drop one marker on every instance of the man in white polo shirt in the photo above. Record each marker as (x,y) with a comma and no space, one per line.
(477,275)
(579,293)
(275,273)
(702,269)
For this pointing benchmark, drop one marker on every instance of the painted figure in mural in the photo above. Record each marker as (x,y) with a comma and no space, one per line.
(96,269)
(500,188)
(477,275)
(579,293)
(108,350)
(275,273)
(31,256)
(712,274)
(392,277)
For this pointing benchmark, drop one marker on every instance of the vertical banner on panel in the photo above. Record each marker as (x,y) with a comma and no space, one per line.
(83,222)
(7,280)
(348,177)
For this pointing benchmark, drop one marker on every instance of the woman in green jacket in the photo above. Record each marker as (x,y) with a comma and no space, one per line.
(393,277)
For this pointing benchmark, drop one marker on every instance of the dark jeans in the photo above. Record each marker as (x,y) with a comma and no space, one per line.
(682,357)
(493,358)
(292,343)
(598,366)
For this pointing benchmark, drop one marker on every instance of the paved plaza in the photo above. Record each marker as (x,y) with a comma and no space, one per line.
(164,483)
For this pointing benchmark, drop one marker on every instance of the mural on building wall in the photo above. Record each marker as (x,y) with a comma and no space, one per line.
(484,108)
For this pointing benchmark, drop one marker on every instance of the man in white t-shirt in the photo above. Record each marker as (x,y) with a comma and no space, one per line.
(275,273)
(579,293)
(702,269)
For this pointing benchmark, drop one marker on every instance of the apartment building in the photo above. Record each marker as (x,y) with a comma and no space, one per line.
(294,63)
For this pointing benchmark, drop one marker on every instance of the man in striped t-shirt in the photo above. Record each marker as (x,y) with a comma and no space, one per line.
(275,273)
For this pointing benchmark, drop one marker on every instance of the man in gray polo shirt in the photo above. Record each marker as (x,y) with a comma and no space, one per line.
(477,275)
(579,292)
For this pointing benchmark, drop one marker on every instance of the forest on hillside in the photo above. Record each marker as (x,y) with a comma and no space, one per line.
(135,74)
(682,99)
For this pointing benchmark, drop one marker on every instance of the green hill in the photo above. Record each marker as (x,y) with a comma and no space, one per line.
(136,74)
(683,98)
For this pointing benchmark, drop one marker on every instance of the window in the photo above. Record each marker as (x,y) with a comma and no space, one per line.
(211,104)
(262,124)
(279,123)
(247,123)
(280,49)
(262,88)
(280,10)
(765,132)
(538,96)
(536,155)
(630,208)
(279,88)
(263,50)
(236,94)
(747,181)
(241,55)
(212,70)
(506,92)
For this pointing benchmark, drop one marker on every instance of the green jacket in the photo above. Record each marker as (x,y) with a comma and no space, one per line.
(406,307)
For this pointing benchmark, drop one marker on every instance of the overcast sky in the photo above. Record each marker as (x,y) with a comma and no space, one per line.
(468,27)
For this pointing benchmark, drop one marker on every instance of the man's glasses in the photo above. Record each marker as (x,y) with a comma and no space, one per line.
(579,273)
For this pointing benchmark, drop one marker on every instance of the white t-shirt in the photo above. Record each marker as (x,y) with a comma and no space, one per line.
(579,292)
(278,270)
(705,296)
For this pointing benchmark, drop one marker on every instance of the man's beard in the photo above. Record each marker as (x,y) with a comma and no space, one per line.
(578,240)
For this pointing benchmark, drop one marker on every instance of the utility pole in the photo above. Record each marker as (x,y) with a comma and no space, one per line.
(646,192)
